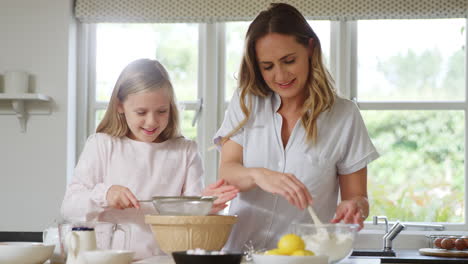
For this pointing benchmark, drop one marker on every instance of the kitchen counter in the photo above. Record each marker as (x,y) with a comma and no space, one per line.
(168,260)
(413,256)
(403,256)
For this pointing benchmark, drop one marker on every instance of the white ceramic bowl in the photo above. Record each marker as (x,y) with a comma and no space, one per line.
(332,240)
(108,256)
(275,259)
(24,252)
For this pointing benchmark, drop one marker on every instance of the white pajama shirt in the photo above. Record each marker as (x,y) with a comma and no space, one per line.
(343,147)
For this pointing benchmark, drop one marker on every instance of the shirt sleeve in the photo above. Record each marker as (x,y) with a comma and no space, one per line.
(358,148)
(232,118)
(194,184)
(85,196)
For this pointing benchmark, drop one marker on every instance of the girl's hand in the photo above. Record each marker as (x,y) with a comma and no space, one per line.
(351,212)
(120,197)
(284,184)
(223,191)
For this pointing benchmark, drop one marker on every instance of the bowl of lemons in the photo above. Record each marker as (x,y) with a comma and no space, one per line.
(291,250)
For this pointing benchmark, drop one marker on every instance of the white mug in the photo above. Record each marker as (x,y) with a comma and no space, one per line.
(16,82)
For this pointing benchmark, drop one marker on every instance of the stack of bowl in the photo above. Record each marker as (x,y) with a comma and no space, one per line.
(24,252)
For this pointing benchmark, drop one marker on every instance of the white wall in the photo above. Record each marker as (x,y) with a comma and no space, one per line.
(38,37)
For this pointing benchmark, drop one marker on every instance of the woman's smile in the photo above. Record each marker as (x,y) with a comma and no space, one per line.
(287,84)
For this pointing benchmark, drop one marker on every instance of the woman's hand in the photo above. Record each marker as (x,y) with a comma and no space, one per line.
(120,197)
(352,212)
(284,184)
(223,191)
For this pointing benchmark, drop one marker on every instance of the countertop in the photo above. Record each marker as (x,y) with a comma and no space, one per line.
(168,260)
(413,256)
(403,256)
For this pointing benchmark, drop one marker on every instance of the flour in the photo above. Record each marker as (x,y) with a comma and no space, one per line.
(335,246)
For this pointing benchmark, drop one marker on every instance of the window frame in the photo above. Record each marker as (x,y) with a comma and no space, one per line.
(211,91)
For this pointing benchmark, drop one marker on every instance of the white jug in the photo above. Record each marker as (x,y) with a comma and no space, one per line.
(79,240)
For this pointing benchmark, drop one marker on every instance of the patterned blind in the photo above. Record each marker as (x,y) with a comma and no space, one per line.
(200,11)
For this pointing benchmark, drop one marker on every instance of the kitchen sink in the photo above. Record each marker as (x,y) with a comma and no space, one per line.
(373,253)
(406,256)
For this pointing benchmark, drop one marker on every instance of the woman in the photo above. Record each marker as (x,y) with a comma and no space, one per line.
(287,138)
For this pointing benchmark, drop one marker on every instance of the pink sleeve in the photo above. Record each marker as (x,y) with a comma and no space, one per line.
(194,180)
(85,196)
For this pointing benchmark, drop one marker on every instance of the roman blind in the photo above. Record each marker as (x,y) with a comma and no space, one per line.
(208,11)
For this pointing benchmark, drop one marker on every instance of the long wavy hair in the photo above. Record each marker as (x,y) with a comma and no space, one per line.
(320,91)
(142,75)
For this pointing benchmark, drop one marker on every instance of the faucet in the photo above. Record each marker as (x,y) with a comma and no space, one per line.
(397,228)
(376,221)
(390,235)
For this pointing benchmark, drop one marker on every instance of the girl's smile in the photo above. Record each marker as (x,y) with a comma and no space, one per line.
(149,131)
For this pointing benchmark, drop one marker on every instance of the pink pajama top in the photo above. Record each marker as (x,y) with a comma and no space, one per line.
(170,168)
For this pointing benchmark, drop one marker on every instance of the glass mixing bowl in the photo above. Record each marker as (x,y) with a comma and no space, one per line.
(333,240)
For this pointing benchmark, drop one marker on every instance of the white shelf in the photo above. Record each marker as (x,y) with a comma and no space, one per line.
(29,97)
(17,104)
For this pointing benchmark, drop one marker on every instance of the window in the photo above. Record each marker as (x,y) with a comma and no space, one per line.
(407,76)
(411,88)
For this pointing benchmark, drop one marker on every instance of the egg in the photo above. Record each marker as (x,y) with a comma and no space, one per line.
(437,242)
(460,244)
(447,243)
(466,239)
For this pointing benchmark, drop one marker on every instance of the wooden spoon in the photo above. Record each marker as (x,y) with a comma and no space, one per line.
(314,216)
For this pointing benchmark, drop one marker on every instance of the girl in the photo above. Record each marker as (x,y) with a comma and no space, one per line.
(287,136)
(137,153)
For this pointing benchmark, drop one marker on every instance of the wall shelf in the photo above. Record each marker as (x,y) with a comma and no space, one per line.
(18,104)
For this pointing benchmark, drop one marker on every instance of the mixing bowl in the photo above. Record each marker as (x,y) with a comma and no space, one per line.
(184,257)
(180,233)
(332,240)
(182,205)
(24,252)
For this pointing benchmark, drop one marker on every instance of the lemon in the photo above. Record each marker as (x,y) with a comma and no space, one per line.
(302,252)
(290,243)
(272,252)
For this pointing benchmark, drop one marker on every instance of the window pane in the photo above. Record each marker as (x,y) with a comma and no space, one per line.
(186,127)
(408,60)
(235,35)
(98,117)
(174,45)
(420,174)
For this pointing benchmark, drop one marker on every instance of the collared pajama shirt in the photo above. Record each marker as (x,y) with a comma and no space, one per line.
(343,146)
(170,168)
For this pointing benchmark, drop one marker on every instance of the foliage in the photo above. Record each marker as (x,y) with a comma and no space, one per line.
(420,175)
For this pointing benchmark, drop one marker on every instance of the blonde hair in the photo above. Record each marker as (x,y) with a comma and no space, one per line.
(142,75)
(285,19)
